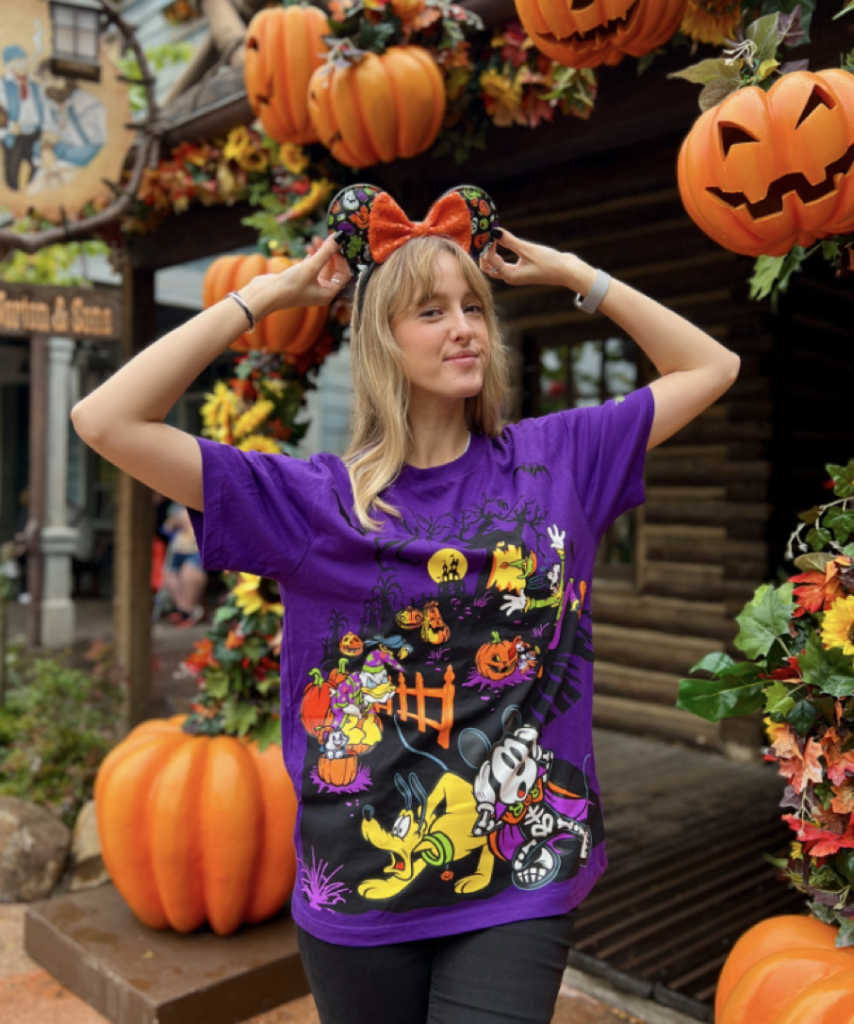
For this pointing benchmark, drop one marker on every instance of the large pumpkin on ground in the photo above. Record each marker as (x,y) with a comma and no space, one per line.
(585,34)
(764,171)
(781,964)
(196,829)
(284,46)
(381,108)
(289,331)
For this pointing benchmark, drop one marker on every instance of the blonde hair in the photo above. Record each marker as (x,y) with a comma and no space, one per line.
(381,440)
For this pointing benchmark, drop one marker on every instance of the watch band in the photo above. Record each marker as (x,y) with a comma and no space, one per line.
(590,303)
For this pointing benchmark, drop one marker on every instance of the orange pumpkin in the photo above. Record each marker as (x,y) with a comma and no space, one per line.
(284,47)
(764,171)
(409,617)
(585,35)
(775,934)
(773,967)
(289,331)
(433,627)
(351,645)
(338,771)
(827,1002)
(404,92)
(196,829)
(498,659)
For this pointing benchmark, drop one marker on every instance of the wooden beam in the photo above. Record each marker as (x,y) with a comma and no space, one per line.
(199,232)
(134,524)
(37,485)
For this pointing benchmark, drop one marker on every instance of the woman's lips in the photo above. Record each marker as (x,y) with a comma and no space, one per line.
(468,357)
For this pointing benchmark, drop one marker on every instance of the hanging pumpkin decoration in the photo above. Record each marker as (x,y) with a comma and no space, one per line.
(497,659)
(289,331)
(404,92)
(581,34)
(762,172)
(284,46)
(196,829)
(782,971)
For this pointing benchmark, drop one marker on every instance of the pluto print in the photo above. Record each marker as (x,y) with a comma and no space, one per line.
(437,674)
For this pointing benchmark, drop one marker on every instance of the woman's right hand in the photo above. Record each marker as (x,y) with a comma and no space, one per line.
(314,281)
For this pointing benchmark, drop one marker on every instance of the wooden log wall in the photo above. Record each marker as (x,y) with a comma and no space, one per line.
(701,545)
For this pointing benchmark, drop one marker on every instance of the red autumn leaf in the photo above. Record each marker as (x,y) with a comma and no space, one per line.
(816,594)
(822,842)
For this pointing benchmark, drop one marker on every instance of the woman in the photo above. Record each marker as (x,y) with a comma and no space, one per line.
(437,592)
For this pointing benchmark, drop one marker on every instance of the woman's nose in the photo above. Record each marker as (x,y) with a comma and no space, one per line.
(460,324)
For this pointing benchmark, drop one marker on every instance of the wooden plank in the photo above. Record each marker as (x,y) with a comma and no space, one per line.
(633,716)
(647,611)
(134,524)
(656,650)
(703,512)
(642,684)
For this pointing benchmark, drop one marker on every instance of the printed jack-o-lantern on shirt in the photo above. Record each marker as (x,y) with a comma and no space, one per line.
(436,683)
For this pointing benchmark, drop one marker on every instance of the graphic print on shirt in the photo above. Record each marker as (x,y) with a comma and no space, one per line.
(493,630)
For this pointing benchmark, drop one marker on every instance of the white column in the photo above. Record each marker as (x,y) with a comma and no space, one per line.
(58,539)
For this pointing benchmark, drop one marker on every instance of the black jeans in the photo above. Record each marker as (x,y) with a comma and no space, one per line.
(509,974)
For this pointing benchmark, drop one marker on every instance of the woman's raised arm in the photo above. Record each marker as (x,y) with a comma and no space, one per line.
(695,369)
(123,418)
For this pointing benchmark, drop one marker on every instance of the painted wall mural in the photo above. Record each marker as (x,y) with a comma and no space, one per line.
(63,109)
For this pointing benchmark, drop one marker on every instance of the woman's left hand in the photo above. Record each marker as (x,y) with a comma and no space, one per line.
(536,264)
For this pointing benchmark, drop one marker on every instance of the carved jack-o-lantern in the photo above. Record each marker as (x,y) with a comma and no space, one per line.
(587,33)
(762,172)
(497,659)
(409,617)
(433,628)
(351,645)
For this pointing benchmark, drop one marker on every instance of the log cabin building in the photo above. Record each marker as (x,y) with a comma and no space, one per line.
(723,494)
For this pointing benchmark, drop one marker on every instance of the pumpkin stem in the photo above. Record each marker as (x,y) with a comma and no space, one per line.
(316,677)
(342,666)
(496,639)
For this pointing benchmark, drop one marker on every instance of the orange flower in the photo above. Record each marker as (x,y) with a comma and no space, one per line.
(819,589)
(234,640)
(202,656)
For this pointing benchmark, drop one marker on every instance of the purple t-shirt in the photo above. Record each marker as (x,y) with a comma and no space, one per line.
(437,679)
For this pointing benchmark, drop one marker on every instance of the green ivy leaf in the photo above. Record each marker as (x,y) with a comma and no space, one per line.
(740,692)
(843,478)
(818,538)
(771,274)
(267,733)
(802,716)
(841,521)
(764,618)
(830,671)
(713,663)
(216,684)
(778,701)
(238,718)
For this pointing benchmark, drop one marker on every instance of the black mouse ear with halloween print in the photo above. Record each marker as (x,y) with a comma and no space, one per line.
(350,212)
(484,217)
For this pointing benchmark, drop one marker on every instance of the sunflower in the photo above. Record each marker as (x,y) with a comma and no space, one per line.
(259,443)
(219,410)
(711,21)
(502,97)
(317,194)
(293,158)
(838,627)
(245,150)
(257,595)
(249,421)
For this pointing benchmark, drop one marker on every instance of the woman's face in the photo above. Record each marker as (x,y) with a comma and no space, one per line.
(444,342)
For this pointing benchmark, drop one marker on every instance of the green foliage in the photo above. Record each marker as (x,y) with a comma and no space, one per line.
(829,671)
(732,691)
(764,618)
(55,264)
(158,57)
(771,274)
(57,726)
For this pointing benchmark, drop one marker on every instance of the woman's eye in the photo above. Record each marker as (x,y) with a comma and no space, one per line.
(475,308)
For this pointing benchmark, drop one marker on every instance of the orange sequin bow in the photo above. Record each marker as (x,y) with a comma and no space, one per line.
(390,228)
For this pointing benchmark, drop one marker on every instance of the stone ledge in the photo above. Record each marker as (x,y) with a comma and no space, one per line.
(91,943)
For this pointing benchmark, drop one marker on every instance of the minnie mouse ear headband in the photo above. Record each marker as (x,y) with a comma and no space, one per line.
(374,226)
